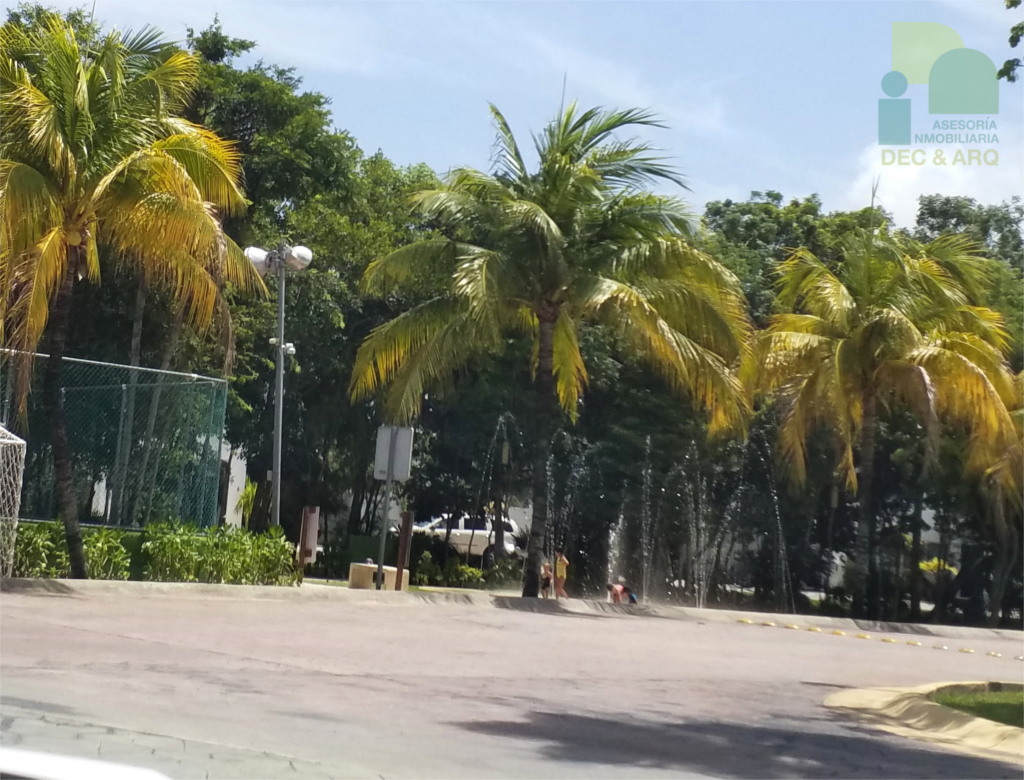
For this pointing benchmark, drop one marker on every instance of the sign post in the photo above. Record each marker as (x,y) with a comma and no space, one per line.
(393,461)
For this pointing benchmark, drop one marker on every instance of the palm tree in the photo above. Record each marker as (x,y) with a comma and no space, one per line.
(997,464)
(93,152)
(578,239)
(891,322)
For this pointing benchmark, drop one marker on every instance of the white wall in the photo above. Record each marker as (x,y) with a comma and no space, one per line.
(236,484)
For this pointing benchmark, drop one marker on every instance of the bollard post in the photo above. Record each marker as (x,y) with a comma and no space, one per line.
(404,546)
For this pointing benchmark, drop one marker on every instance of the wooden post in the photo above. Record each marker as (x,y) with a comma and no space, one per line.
(404,547)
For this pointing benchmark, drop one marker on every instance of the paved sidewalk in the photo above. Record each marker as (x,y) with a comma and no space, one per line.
(293,684)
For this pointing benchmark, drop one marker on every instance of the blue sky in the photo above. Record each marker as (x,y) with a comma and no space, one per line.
(758,95)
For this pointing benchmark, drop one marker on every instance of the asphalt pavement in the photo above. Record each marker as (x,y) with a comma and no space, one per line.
(308,687)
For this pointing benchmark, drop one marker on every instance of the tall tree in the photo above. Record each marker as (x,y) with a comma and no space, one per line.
(891,323)
(537,253)
(93,152)
(1009,69)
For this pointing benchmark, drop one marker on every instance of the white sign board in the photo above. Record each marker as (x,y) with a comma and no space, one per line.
(403,454)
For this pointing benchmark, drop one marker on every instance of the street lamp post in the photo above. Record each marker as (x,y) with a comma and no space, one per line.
(281,260)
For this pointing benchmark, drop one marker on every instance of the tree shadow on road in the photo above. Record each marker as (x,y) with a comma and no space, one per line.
(735,750)
(540,606)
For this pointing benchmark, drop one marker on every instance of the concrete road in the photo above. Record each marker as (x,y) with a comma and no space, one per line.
(306,688)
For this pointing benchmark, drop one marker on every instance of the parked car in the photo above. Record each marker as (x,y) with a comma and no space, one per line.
(472,535)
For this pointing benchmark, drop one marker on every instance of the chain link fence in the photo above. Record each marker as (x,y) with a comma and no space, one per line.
(12,466)
(145,444)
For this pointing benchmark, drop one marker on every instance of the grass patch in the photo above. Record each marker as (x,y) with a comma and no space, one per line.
(1001,706)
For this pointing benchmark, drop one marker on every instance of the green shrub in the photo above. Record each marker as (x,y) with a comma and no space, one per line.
(427,572)
(105,555)
(224,555)
(505,571)
(181,553)
(41,550)
(273,558)
(458,575)
(173,550)
(32,548)
(58,562)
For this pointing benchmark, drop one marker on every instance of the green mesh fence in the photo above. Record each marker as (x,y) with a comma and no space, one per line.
(145,444)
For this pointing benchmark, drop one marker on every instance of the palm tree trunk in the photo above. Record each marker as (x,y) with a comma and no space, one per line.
(867,566)
(545,395)
(125,445)
(53,399)
(144,492)
(1007,549)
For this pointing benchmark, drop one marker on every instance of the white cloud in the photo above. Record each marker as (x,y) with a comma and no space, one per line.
(328,36)
(901,185)
(684,104)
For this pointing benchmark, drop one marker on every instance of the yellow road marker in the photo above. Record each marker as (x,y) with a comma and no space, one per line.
(912,642)
(790,625)
(994,655)
(745,620)
(966,650)
(863,636)
(769,624)
(888,639)
(1018,658)
(837,632)
(815,629)
(939,647)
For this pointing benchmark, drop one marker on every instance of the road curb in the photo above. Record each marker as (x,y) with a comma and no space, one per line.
(911,712)
(480,598)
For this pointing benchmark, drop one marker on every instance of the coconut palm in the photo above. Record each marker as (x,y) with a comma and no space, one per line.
(93,153)
(539,253)
(891,322)
(997,466)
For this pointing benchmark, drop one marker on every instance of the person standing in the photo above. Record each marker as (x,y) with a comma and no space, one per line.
(545,580)
(561,572)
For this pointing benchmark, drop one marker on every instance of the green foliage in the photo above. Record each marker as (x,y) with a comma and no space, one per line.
(41,551)
(105,555)
(246,500)
(458,575)
(173,551)
(1009,69)
(180,553)
(428,572)
(32,549)
(455,573)
(58,564)
(505,572)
